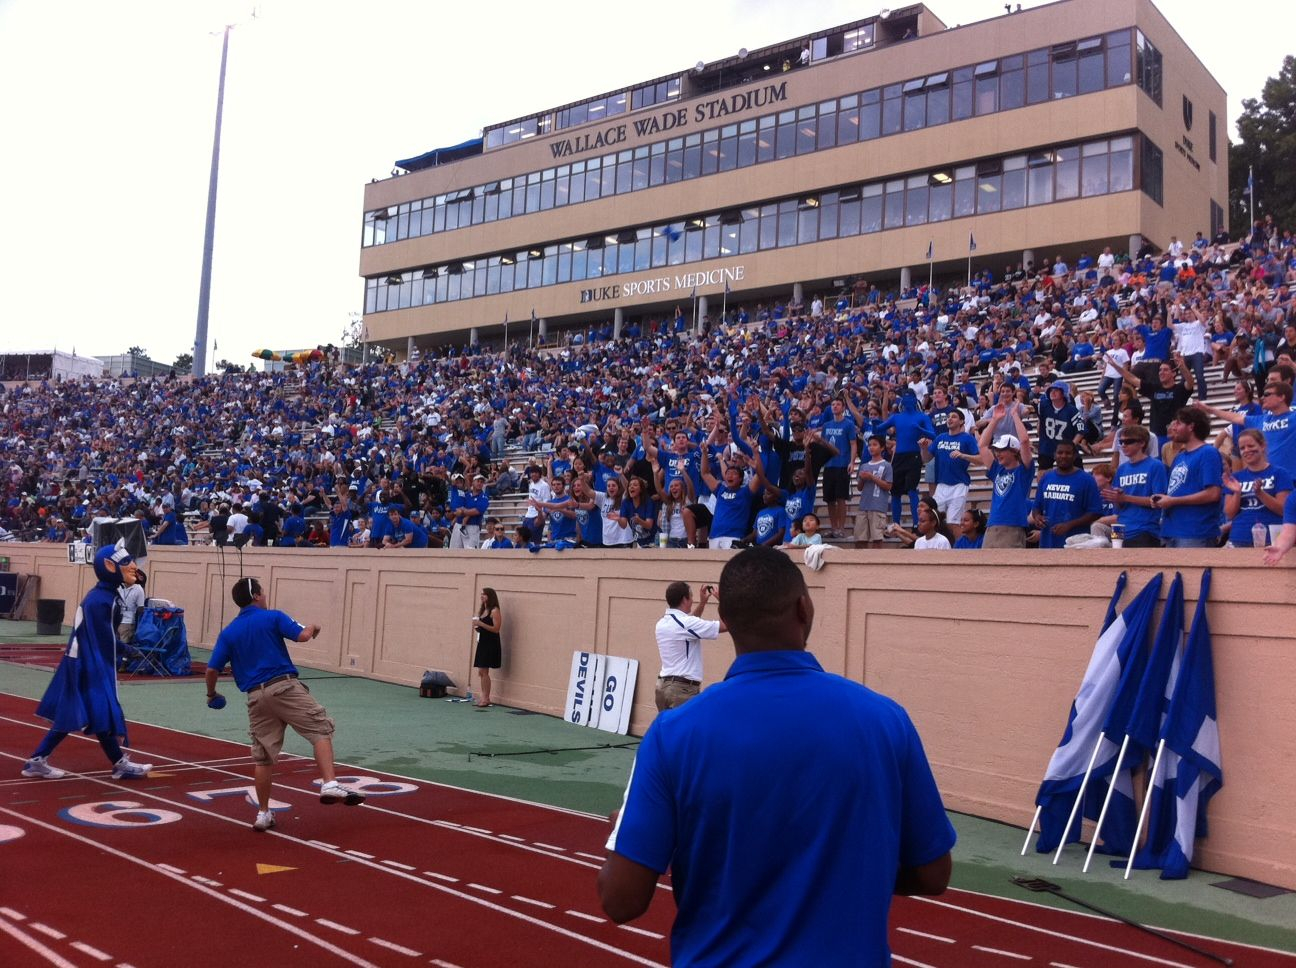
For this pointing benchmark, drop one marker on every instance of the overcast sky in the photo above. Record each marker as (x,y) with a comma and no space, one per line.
(106,125)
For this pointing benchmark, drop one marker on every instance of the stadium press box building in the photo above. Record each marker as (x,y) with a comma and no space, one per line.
(831,157)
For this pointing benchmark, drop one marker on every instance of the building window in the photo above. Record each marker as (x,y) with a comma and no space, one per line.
(1211,135)
(992,185)
(1152,175)
(1216,218)
(1148,67)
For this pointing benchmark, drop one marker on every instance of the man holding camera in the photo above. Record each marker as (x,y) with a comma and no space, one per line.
(679,640)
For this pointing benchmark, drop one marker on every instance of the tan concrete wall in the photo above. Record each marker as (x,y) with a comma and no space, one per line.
(986,652)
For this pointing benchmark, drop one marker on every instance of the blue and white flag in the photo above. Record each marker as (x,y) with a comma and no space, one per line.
(1121,642)
(971,242)
(1191,770)
(1149,710)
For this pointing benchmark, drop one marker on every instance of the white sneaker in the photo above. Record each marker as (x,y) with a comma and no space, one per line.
(40,766)
(333,791)
(264,821)
(124,769)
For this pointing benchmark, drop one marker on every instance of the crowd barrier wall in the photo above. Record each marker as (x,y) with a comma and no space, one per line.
(985,649)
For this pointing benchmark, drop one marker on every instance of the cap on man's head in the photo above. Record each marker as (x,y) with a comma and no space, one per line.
(1005,442)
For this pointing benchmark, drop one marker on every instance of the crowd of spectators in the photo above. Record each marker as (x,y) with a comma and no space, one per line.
(675,437)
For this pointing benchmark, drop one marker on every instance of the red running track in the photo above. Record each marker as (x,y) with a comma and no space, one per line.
(167,871)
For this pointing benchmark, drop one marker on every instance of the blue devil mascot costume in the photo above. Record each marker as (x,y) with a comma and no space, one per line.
(82,696)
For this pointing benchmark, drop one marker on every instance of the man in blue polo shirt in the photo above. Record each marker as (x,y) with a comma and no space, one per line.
(253,643)
(853,818)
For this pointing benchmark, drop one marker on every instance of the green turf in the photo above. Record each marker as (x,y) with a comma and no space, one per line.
(388,728)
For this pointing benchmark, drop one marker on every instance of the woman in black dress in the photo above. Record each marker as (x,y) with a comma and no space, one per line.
(488,623)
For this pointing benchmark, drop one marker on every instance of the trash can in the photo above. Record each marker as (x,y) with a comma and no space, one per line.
(49,616)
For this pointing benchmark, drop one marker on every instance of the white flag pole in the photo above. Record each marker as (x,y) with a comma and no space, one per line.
(1075,807)
(1102,814)
(1147,803)
(1031,829)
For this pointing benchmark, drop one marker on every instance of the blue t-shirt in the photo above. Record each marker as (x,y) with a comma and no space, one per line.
(254,645)
(769,522)
(174,534)
(1140,479)
(561,527)
(339,528)
(1194,471)
(799,503)
(1280,437)
(590,525)
(839,433)
(1272,480)
(702,767)
(1010,502)
(1065,497)
(293,530)
(964,543)
(732,511)
(953,470)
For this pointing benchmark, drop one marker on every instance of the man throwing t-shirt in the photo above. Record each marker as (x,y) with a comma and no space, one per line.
(789,804)
(253,643)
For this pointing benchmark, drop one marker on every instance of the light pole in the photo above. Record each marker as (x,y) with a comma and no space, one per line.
(209,232)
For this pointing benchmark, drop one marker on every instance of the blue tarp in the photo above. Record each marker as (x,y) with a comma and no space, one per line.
(442,156)
(159,631)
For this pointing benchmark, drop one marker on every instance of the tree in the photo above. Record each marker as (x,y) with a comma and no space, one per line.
(138,351)
(183,363)
(1267,146)
(225,366)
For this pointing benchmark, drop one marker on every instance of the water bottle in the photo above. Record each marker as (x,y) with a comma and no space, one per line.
(1259,535)
(661,539)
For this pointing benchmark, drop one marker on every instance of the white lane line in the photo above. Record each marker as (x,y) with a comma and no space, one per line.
(537,843)
(47,931)
(320,843)
(94,953)
(999,951)
(1058,964)
(304,935)
(644,931)
(173,870)
(359,853)
(450,823)
(246,896)
(530,900)
(11,913)
(483,887)
(207,880)
(477,830)
(513,837)
(910,961)
(287,910)
(585,917)
(399,866)
(581,853)
(924,934)
(49,954)
(473,898)
(398,948)
(442,877)
(442,964)
(325,922)
(1053,934)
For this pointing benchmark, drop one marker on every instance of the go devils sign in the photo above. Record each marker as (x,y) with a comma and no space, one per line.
(671,120)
